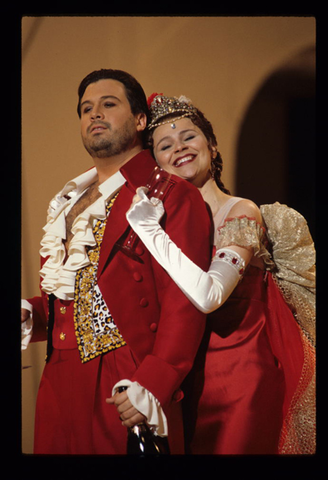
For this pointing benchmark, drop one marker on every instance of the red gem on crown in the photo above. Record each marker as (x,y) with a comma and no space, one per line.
(151,98)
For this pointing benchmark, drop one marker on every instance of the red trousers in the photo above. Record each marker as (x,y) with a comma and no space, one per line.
(72,416)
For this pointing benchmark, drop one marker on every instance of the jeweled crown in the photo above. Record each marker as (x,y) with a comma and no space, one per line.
(161,106)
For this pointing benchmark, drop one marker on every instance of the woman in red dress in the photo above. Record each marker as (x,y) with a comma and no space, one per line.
(252,389)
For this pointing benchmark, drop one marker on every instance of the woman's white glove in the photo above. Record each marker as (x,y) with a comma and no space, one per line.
(206,290)
(144,211)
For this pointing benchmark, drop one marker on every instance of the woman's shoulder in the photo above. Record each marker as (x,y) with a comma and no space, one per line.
(245,207)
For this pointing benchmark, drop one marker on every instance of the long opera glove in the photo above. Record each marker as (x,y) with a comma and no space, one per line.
(206,290)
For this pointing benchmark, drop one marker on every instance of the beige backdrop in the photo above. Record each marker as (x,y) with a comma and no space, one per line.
(218,62)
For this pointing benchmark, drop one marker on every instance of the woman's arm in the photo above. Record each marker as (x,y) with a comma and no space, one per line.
(206,290)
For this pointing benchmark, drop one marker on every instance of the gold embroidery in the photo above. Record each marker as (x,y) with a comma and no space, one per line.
(242,231)
(295,274)
(95,329)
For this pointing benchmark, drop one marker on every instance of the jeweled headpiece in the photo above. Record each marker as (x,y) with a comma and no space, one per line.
(161,106)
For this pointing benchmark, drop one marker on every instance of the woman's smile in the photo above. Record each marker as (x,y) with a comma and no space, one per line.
(183,160)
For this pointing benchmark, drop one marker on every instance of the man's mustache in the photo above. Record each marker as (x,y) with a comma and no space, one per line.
(98,124)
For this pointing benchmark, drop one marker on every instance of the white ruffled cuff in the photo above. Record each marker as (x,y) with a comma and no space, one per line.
(27,326)
(147,404)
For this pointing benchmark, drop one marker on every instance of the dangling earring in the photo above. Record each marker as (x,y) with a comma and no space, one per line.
(213,169)
(213,166)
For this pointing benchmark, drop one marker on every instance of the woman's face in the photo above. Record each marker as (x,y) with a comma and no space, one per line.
(183,151)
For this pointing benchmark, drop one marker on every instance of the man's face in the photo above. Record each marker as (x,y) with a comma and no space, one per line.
(108,126)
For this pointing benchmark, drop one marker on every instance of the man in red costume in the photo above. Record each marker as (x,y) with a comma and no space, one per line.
(111,319)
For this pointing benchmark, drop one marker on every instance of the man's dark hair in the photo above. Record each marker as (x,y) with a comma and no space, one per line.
(134,91)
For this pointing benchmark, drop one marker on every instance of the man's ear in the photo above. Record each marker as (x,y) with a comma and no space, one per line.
(141,121)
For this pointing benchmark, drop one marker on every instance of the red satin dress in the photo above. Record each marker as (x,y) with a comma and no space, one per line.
(246,372)
(240,396)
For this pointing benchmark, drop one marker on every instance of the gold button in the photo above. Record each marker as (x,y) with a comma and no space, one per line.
(62,310)
(62,336)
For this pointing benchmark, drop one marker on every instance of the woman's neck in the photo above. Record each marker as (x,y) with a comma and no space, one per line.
(213,196)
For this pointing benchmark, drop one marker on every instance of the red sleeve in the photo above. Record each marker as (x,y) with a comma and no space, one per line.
(181,325)
(40,318)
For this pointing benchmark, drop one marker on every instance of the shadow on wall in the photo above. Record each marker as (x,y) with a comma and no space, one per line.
(276,146)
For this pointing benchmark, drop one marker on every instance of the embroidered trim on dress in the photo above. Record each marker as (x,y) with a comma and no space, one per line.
(95,329)
(294,256)
(245,231)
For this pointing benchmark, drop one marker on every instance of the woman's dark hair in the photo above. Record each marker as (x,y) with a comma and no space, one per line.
(205,126)
(134,91)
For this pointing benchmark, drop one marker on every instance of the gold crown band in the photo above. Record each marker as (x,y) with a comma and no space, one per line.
(162,106)
(170,120)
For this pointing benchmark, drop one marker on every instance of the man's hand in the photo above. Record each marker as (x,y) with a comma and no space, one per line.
(129,415)
(25,315)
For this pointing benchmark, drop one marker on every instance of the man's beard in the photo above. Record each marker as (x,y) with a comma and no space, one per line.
(119,141)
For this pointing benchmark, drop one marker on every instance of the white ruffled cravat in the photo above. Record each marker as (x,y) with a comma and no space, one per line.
(58,275)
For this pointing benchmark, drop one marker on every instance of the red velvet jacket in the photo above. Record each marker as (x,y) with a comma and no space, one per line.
(161,327)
